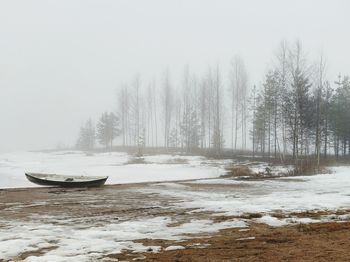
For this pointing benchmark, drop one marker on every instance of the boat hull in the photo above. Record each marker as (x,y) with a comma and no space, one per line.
(69,182)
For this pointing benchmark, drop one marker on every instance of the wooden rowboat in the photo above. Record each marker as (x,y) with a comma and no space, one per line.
(65,181)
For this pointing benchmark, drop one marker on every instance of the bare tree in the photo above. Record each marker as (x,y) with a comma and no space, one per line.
(319,104)
(124,110)
(217,137)
(135,110)
(167,106)
(154,102)
(239,95)
(204,108)
(282,69)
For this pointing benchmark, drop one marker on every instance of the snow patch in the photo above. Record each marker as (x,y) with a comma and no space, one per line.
(245,238)
(171,248)
(271,221)
(297,194)
(82,242)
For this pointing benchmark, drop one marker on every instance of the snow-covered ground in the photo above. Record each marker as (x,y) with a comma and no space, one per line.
(66,238)
(120,167)
(287,194)
(86,243)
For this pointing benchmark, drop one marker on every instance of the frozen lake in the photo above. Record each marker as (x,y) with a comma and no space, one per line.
(120,167)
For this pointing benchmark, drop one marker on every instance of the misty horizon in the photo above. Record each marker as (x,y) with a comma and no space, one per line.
(63,62)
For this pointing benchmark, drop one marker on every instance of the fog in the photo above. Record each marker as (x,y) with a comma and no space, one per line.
(62,61)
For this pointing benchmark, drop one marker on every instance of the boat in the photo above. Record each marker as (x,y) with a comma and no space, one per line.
(66,181)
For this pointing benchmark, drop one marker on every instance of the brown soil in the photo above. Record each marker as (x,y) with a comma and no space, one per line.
(313,242)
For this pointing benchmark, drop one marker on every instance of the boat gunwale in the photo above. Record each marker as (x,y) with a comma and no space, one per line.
(95,181)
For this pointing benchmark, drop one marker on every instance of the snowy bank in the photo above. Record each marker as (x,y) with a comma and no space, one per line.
(115,165)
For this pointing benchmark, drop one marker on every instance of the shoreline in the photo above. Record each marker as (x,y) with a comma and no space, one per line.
(209,220)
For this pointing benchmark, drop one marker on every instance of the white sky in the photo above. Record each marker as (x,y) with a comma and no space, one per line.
(61,61)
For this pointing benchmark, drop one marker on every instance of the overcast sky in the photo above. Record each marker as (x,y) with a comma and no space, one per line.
(61,61)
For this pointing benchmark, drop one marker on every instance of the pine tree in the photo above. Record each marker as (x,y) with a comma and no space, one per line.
(108,129)
(259,123)
(190,130)
(173,140)
(86,140)
(340,117)
(299,111)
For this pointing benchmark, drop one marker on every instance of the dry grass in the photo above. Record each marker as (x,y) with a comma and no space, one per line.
(177,161)
(239,171)
(136,160)
(312,242)
(308,167)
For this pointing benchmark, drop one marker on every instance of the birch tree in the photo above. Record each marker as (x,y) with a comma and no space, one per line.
(167,106)
(217,137)
(124,110)
(239,95)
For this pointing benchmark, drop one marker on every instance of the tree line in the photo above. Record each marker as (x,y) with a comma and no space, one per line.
(297,112)
(106,131)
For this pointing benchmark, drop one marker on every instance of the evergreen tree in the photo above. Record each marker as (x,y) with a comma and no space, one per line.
(86,140)
(259,124)
(190,130)
(266,114)
(298,107)
(108,129)
(340,117)
(173,140)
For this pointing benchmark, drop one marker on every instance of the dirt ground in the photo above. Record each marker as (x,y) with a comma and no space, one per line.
(314,242)
(259,242)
